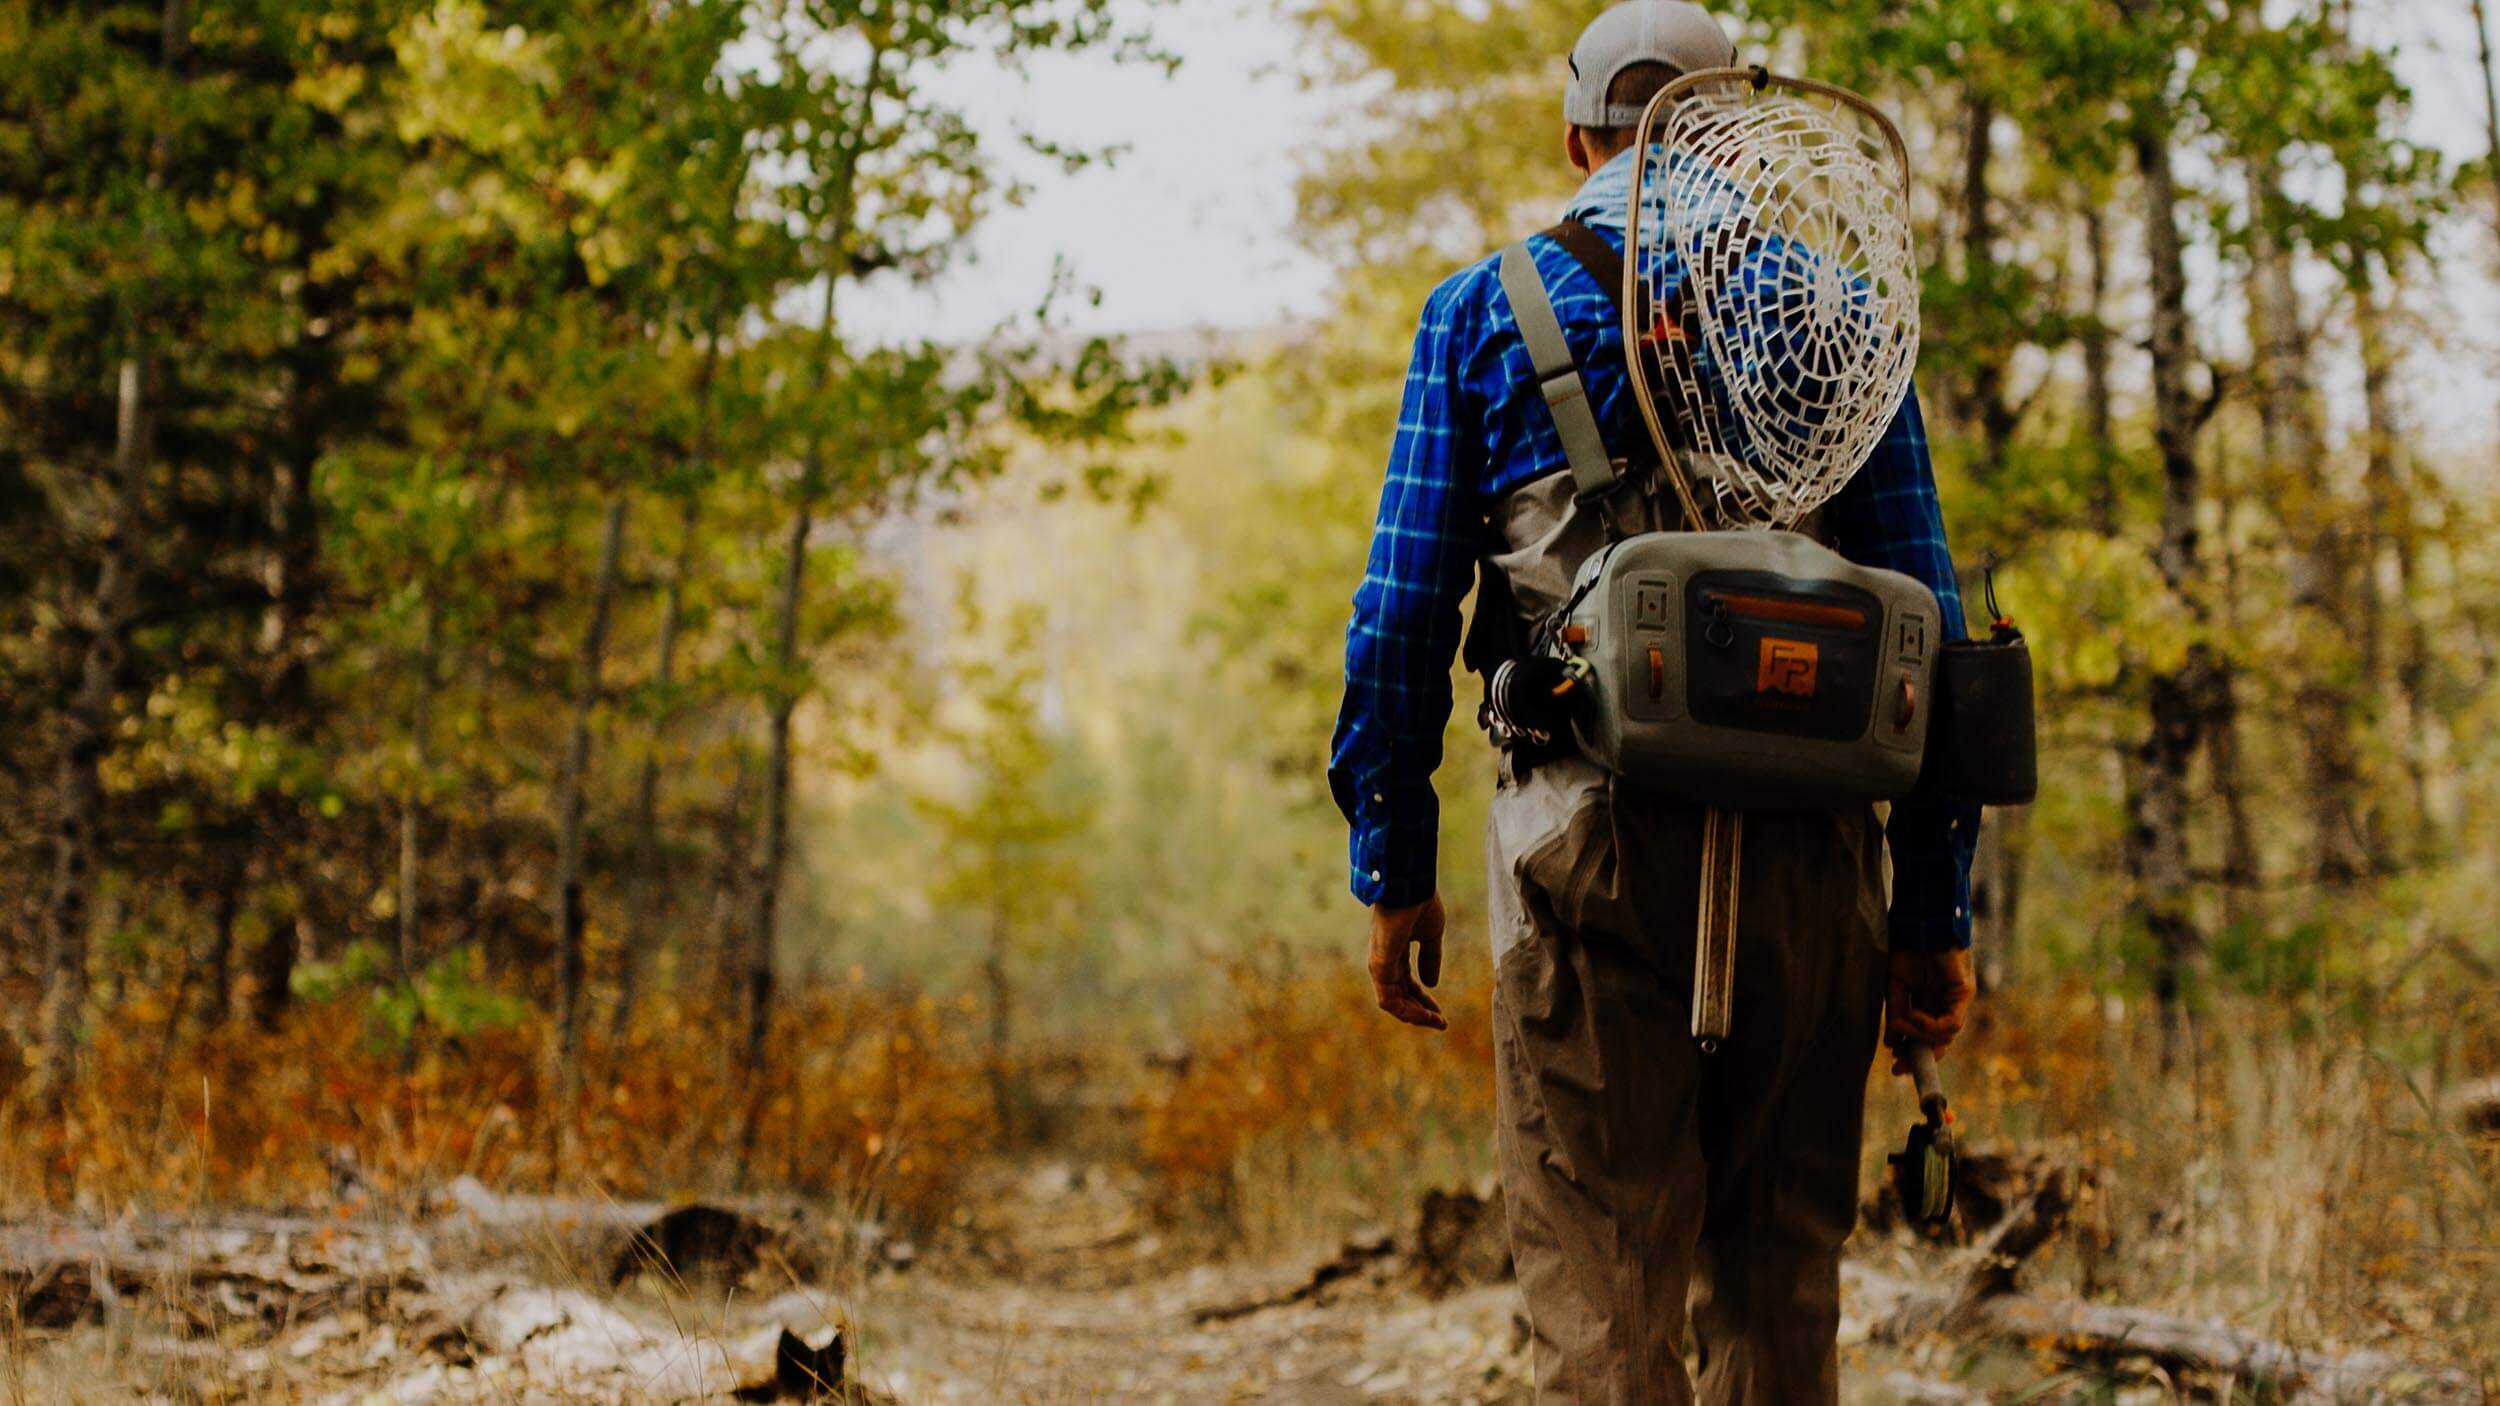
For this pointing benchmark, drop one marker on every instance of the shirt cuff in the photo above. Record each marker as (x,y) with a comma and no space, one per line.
(1394,865)
(1931,879)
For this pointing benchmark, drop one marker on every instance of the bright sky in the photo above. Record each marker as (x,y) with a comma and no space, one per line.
(1191,227)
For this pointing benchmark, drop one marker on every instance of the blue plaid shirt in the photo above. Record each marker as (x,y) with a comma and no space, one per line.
(1472,428)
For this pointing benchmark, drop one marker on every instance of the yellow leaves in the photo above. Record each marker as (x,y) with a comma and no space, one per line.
(2093,605)
(329,88)
(596,184)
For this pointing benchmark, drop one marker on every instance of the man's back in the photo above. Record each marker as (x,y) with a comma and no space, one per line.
(1643,1178)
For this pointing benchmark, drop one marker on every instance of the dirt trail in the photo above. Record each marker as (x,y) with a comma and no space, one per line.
(1054,1289)
(1065,1295)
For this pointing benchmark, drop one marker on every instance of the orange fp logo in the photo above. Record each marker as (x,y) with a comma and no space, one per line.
(1788,666)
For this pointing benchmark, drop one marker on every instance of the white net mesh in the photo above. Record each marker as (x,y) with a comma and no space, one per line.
(1776,306)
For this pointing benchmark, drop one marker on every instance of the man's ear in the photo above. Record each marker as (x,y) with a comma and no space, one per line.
(1576,146)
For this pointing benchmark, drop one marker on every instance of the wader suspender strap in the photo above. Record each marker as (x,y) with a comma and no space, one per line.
(1557,375)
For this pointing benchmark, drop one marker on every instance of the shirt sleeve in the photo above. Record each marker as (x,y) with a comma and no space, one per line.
(1406,626)
(1889,516)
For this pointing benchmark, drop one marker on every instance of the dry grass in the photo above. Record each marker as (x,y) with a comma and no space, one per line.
(2297,1173)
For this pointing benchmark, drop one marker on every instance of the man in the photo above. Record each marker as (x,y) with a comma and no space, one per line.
(1647,1183)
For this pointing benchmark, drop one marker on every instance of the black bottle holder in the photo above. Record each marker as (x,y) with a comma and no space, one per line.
(1983,746)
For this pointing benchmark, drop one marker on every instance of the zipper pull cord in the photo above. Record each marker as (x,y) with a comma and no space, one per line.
(2001,630)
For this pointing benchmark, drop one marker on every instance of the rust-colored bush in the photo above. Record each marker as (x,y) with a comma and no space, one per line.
(868,1097)
(1307,1071)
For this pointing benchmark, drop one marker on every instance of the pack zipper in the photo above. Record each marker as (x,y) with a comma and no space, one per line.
(1787,612)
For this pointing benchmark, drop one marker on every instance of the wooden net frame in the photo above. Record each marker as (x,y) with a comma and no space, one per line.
(1770,304)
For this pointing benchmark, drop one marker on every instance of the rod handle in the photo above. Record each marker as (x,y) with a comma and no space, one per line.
(1922,1062)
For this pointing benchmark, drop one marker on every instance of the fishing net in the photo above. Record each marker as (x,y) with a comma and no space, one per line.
(1773,317)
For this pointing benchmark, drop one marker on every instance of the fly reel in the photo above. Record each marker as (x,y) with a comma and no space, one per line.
(1925,1169)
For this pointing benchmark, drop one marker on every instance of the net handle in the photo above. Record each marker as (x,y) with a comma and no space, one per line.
(1758,78)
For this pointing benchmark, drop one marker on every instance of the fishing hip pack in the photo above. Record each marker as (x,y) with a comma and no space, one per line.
(1750,669)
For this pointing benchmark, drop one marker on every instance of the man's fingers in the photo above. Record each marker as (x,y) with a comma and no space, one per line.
(1910,1022)
(1394,973)
(1414,1011)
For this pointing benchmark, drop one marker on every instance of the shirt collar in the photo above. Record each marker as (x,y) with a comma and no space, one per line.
(1605,198)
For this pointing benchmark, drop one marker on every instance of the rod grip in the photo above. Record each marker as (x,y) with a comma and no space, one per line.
(1922,1062)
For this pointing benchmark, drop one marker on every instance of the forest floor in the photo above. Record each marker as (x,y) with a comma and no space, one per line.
(1052,1287)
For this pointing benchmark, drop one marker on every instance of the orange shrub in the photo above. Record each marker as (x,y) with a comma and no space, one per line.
(1306,1078)
(868,1097)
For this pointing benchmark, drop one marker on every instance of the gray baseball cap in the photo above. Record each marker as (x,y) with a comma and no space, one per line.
(1682,36)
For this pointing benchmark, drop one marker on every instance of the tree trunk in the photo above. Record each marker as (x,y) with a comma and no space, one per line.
(273,966)
(1996,874)
(2299,481)
(2243,899)
(68,913)
(1985,404)
(643,905)
(219,1002)
(2398,649)
(411,807)
(571,918)
(725,982)
(2099,419)
(1002,996)
(763,932)
(2178,701)
(773,848)
(2491,106)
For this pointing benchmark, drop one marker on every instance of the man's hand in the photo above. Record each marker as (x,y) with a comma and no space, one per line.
(1393,931)
(1931,992)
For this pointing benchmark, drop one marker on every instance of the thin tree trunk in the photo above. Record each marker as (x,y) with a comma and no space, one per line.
(2299,481)
(773,849)
(219,1002)
(273,964)
(727,973)
(1996,874)
(287,702)
(68,913)
(571,917)
(2491,105)
(643,905)
(411,806)
(1002,995)
(2177,701)
(2243,898)
(2099,419)
(1986,405)
(763,933)
(2398,650)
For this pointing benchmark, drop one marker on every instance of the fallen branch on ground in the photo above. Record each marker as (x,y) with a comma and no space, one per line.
(1981,1300)
(2110,1332)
